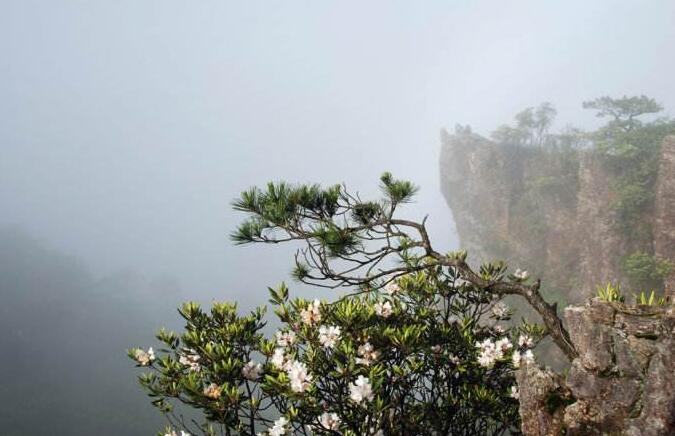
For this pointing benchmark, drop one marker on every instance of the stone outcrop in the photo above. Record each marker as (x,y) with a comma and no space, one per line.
(548,212)
(594,235)
(622,383)
(536,388)
(664,220)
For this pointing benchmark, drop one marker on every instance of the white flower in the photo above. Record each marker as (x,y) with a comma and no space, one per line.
(514,392)
(144,358)
(503,344)
(436,349)
(330,421)
(391,288)
(213,391)
(525,341)
(383,309)
(252,370)
(490,351)
(173,433)
(300,379)
(528,357)
(486,360)
(312,313)
(279,358)
(500,310)
(329,335)
(190,359)
(367,353)
(284,339)
(515,359)
(499,329)
(279,427)
(452,358)
(521,274)
(360,390)
(525,358)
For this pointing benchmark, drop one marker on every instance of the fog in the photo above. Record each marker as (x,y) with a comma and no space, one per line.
(127,127)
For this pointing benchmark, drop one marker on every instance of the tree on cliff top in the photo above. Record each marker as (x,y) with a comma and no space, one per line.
(415,348)
(532,126)
(625,110)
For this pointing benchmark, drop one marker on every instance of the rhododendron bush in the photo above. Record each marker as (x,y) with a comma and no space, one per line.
(420,343)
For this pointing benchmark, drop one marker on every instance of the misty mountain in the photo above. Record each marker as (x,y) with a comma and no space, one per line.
(63,339)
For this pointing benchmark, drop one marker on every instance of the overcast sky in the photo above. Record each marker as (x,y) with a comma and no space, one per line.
(127,127)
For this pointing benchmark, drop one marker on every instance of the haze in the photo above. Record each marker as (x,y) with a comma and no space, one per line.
(127,127)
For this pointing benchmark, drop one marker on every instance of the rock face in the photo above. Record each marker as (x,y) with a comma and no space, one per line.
(548,212)
(536,387)
(595,237)
(622,383)
(664,221)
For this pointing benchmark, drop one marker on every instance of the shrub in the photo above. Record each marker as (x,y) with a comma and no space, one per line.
(412,357)
(419,346)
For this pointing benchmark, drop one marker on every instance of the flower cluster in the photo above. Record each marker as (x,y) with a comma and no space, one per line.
(330,421)
(252,370)
(453,359)
(391,288)
(213,391)
(299,377)
(491,352)
(278,359)
(329,335)
(312,313)
(190,359)
(361,390)
(383,309)
(367,354)
(521,274)
(518,359)
(500,310)
(525,341)
(279,428)
(144,358)
(174,433)
(285,339)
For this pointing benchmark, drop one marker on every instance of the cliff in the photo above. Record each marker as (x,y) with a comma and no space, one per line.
(622,383)
(553,212)
(664,222)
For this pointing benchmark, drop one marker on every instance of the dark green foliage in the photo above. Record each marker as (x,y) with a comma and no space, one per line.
(250,230)
(645,271)
(300,271)
(366,213)
(397,191)
(338,241)
(624,111)
(630,148)
(532,125)
(282,204)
